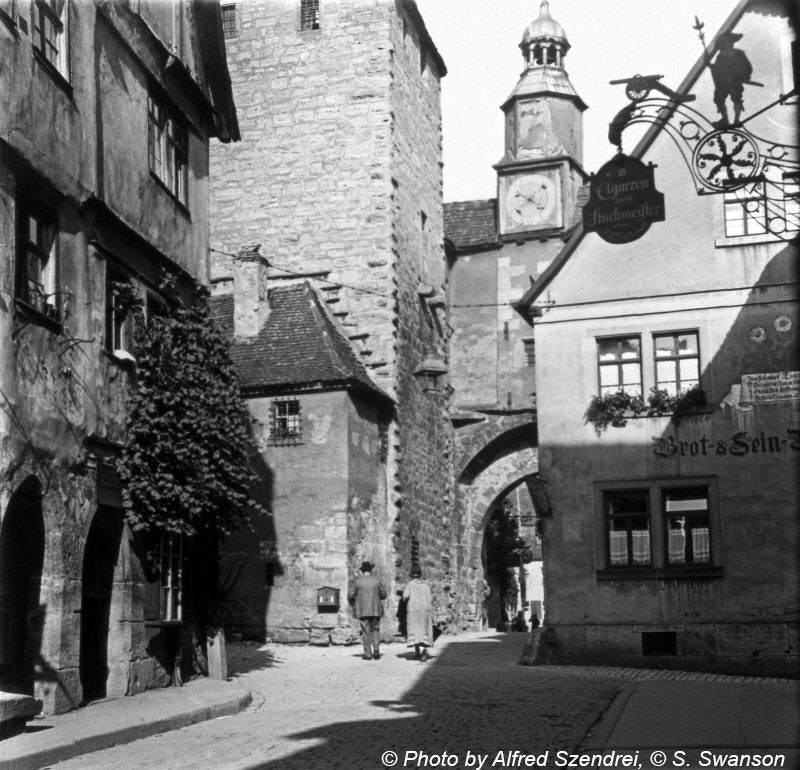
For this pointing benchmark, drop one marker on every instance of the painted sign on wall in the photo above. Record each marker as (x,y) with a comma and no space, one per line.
(741,444)
(775,386)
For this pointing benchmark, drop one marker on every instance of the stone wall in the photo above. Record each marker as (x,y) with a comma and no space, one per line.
(339,172)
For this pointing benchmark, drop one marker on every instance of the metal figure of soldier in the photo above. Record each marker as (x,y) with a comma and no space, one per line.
(730,71)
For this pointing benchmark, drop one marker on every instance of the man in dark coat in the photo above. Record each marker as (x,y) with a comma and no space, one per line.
(366,595)
(730,71)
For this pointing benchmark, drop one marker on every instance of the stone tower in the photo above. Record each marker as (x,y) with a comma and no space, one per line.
(339,178)
(536,185)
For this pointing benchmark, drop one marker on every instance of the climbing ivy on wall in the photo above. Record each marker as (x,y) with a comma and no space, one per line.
(184,467)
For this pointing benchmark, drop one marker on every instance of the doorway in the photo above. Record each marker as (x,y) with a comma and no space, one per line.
(21,565)
(99,564)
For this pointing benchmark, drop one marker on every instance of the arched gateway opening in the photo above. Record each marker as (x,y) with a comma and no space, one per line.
(99,564)
(21,565)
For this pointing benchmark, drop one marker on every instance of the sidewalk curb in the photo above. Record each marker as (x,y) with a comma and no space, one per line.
(127,734)
(598,734)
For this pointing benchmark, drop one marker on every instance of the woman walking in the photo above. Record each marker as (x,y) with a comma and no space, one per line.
(419,617)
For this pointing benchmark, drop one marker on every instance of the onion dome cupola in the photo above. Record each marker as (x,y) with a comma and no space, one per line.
(541,168)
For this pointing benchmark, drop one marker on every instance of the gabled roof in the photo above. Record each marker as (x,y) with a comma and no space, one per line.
(524,304)
(300,347)
(471,224)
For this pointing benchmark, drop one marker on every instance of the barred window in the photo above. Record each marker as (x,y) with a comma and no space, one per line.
(168,148)
(229,21)
(286,423)
(530,352)
(746,211)
(309,14)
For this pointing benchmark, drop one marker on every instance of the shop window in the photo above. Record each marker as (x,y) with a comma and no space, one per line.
(619,361)
(687,526)
(229,29)
(627,517)
(37,261)
(677,361)
(309,14)
(286,424)
(51,34)
(168,148)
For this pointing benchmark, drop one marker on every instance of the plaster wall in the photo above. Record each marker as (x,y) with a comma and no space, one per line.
(740,296)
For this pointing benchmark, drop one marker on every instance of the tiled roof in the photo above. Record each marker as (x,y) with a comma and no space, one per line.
(300,346)
(469,224)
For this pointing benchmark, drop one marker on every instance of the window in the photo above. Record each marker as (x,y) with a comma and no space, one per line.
(8,12)
(50,33)
(619,363)
(38,261)
(118,321)
(677,360)
(530,352)
(628,528)
(229,21)
(286,424)
(686,519)
(168,146)
(746,211)
(791,201)
(309,14)
(171,577)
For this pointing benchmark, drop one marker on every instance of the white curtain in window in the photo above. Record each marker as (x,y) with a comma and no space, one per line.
(702,544)
(677,546)
(641,546)
(618,547)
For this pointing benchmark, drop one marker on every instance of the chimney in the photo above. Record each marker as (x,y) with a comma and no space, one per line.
(250,300)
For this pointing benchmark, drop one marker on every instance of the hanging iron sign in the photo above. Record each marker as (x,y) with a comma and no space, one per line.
(623,200)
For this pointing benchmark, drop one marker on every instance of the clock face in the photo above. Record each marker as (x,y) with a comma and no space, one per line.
(532,200)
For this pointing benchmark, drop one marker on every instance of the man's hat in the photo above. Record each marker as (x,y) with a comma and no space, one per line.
(366,566)
(728,37)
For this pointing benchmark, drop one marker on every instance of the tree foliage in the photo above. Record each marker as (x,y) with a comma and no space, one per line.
(185,466)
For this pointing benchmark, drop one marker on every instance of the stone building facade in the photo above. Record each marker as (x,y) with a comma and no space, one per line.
(105,124)
(673,540)
(495,248)
(339,178)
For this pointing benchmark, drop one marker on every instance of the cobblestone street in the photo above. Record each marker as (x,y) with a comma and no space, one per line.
(327,708)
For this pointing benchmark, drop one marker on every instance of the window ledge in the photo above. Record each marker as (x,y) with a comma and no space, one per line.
(126,361)
(33,316)
(676,572)
(57,76)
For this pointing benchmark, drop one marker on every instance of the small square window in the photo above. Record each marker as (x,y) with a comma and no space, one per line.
(229,29)
(286,424)
(309,14)
(619,361)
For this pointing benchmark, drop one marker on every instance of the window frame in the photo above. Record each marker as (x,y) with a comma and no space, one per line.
(118,320)
(8,14)
(44,13)
(285,436)
(309,22)
(627,518)
(660,567)
(690,539)
(171,579)
(48,308)
(603,390)
(230,8)
(676,359)
(168,147)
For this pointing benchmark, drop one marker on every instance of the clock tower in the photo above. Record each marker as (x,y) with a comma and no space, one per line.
(540,172)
